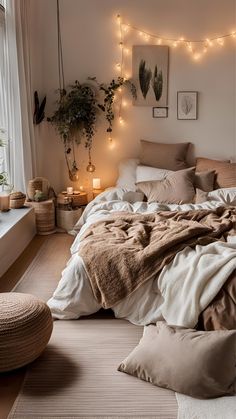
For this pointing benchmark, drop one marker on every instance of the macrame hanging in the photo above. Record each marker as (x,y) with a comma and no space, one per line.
(72,167)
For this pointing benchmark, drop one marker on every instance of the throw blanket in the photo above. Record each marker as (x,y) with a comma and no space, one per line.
(125,250)
(190,282)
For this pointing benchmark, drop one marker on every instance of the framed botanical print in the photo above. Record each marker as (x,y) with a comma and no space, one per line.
(187,105)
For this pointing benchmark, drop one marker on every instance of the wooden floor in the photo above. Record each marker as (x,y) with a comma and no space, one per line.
(10,383)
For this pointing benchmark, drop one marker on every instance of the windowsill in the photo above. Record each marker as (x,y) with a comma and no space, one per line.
(9,219)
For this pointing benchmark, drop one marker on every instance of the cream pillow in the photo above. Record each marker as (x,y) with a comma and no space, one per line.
(176,188)
(199,364)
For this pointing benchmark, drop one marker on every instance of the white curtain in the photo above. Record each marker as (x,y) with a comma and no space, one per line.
(17,115)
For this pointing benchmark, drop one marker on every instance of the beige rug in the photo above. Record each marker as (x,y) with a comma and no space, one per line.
(76,376)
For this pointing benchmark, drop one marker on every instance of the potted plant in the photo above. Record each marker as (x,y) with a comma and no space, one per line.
(74,118)
(76,114)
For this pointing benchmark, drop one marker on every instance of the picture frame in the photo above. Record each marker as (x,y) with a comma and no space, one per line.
(187,105)
(150,72)
(159,112)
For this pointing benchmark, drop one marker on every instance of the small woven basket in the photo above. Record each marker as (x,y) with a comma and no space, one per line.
(17,200)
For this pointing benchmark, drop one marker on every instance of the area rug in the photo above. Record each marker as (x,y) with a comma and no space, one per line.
(77,376)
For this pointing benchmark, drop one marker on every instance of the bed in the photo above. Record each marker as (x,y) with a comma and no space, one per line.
(179,290)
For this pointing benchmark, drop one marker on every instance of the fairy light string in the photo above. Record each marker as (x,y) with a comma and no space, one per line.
(197,48)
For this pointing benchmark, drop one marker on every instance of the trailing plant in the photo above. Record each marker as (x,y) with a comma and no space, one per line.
(74,118)
(157,83)
(109,91)
(145,75)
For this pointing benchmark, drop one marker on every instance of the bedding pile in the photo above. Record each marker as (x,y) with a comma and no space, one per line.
(207,265)
(126,250)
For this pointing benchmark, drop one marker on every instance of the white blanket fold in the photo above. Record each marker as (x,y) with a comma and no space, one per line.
(191,281)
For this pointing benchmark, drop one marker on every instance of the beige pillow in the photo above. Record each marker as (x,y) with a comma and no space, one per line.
(201,196)
(225,172)
(176,188)
(199,364)
(205,180)
(164,156)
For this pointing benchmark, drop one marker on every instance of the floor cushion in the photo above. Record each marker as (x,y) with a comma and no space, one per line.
(25,329)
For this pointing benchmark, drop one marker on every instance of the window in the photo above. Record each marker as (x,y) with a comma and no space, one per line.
(4,155)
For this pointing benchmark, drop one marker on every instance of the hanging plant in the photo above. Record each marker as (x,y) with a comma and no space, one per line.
(74,118)
(109,91)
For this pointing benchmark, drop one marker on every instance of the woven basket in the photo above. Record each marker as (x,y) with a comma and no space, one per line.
(17,203)
(44,215)
(25,329)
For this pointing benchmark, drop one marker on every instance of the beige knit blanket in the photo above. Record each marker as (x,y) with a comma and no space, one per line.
(126,250)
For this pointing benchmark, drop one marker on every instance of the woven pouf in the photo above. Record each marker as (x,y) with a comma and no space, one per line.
(25,329)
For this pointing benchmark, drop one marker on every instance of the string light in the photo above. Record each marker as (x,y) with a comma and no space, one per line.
(190,44)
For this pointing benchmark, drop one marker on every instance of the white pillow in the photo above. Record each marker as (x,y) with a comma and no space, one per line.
(224,195)
(127,174)
(147,173)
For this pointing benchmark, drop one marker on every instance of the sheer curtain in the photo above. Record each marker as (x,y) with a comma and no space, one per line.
(15,102)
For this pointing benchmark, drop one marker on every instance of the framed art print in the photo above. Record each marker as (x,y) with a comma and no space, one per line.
(160,112)
(187,105)
(150,74)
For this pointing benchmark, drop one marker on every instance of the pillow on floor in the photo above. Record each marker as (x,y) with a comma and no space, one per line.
(176,188)
(198,364)
(164,155)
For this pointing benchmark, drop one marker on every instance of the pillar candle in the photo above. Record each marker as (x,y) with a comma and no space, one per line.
(70,190)
(96,183)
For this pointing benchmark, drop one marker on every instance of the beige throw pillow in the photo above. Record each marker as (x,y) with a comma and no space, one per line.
(205,180)
(225,172)
(176,188)
(199,364)
(164,156)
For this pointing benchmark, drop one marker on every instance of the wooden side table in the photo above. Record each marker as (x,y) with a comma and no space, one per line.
(97,192)
(44,216)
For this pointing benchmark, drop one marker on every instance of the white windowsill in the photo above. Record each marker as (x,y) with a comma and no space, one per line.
(17,229)
(9,219)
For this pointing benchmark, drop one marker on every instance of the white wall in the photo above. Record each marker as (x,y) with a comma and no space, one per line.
(90,44)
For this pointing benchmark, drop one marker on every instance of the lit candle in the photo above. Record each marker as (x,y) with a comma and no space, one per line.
(70,190)
(4,202)
(81,188)
(96,183)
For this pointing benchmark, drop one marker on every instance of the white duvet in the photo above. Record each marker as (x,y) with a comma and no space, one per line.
(182,290)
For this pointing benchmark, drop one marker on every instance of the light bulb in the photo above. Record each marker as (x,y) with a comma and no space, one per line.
(121,44)
(147,37)
(118,65)
(124,103)
(209,42)
(121,120)
(220,42)
(159,41)
(90,168)
(127,51)
(197,56)
(174,44)
(233,34)
(189,46)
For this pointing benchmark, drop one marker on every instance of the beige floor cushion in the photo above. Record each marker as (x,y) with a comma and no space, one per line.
(195,363)
(25,329)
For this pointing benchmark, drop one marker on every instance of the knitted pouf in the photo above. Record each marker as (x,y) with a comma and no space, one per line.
(25,329)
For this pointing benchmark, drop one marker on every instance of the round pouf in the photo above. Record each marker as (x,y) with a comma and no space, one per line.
(25,329)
